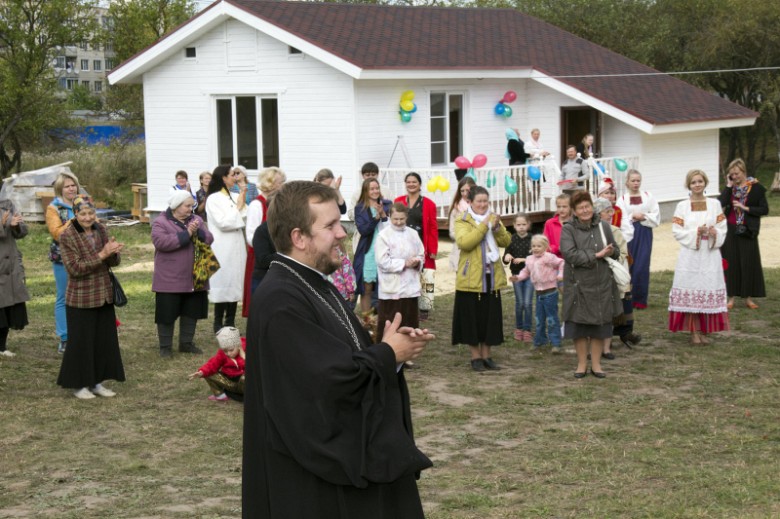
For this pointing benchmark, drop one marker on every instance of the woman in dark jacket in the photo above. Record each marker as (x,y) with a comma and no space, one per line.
(173,233)
(744,203)
(590,296)
(92,355)
(371,215)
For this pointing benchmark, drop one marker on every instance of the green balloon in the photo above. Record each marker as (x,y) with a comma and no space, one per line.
(620,164)
(510,186)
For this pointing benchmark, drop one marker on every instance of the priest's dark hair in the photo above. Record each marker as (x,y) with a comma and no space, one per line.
(291,210)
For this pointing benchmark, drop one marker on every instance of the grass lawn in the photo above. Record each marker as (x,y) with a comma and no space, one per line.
(673,431)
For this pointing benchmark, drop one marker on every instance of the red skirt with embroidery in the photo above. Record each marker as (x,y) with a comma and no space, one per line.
(698,322)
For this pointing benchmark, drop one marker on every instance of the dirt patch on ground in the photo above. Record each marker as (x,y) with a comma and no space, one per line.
(665,252)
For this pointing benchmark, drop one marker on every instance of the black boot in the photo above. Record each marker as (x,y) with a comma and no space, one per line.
(219,315)
(165,336)
(230,314)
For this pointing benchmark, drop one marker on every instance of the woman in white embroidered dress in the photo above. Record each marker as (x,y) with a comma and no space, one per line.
(643,214)
(226,212)
(697,301)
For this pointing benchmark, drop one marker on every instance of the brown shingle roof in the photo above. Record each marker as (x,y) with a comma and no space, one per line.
(375,37)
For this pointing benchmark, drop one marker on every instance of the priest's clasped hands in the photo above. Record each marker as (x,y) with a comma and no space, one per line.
(407,343)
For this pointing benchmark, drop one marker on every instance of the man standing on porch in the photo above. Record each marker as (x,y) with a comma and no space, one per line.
(572,175)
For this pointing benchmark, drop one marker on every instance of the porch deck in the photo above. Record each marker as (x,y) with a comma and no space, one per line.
(535,198)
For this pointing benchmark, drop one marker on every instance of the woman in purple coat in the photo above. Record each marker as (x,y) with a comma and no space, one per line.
(173,233)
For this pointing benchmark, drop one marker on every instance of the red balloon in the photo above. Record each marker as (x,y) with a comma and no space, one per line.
(479,161)
(462,162)
(510,96)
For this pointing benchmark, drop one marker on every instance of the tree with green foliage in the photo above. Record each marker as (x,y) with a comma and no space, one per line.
(32,32)
(135,25)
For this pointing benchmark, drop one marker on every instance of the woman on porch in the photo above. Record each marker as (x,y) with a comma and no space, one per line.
(422,218)
(643,213)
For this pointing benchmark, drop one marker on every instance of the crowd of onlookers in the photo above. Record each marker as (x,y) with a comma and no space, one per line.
(392,264)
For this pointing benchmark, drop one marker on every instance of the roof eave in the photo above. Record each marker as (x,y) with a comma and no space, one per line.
(446,73)
(632,120)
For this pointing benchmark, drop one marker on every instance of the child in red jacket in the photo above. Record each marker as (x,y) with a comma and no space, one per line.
(225,370)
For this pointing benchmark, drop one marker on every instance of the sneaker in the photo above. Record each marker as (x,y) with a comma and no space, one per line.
(84,394)
(219,398)
(557,350)
(103,391)
(61,347)
(519,335)
(7,353)
(477,365)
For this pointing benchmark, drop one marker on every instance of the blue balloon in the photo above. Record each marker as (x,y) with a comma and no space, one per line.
(500,109)
(534,173)
(511,134)
(600,167)
(413,109)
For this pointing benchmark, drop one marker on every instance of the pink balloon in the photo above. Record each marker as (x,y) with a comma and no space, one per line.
(510,96)
(479,161)
(462,162)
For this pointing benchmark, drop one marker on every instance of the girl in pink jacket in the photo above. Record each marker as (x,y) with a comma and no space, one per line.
(545,270)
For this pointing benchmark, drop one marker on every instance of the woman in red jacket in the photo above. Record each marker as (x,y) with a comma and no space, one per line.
(422,218)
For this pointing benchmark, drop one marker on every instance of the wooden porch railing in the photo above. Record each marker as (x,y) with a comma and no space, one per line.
(531,196)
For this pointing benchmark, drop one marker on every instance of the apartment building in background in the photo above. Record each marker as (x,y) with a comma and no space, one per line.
(86,63)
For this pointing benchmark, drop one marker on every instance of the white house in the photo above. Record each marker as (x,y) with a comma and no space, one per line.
(311,85)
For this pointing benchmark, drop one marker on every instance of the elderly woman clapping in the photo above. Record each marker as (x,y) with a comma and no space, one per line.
(591,299)
(173,233)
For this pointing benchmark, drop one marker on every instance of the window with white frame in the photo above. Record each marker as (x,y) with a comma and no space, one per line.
(248,131)
(97,65)
(98,86)
(85,64)
(446,127)
(59,62)
(85,85)
(70,84)
(109,63)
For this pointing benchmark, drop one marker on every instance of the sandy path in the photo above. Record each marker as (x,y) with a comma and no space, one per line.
(665,251)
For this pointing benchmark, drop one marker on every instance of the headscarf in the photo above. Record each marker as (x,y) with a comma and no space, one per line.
(601,204)
(178,197)
(82,201)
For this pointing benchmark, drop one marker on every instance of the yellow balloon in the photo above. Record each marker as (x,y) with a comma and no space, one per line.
(407,106)
(433,185)
(407,96)
(443,184)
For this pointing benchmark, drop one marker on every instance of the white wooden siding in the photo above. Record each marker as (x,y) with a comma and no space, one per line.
(316,106)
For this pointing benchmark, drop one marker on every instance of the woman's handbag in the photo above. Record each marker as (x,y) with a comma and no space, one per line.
(743,232)
(120,299)
(619,273)
(205,265)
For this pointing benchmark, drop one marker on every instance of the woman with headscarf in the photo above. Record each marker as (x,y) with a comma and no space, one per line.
(59,213)
(13,310)
(176,297)
(226,213)
(92,355)
(477,318)
(744,203)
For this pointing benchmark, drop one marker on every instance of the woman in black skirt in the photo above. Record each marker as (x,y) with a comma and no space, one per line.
(477,319)
(744,203)
(92,355)
(173,234)
(13,311)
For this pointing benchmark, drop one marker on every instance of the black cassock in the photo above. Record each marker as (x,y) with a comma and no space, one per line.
(327,425)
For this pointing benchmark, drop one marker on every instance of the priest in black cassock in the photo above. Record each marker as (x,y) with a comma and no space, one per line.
(327,423)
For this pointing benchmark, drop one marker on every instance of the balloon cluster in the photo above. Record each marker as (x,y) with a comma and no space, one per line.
(438,183)
(503,108)
(463,163)
(407,106)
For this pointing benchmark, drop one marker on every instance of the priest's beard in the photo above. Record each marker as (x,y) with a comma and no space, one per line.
(324,263)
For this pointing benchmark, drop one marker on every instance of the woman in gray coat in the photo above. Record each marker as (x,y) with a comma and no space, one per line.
(590,295)
(13,292)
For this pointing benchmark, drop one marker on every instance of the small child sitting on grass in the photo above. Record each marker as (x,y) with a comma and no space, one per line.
(224,372)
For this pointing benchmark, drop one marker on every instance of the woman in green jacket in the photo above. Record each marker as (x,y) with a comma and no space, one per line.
(477,319)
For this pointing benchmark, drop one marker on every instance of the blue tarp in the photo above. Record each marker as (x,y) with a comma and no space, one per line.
(92,135)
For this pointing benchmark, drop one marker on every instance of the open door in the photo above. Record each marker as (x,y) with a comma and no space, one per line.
(575,123)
